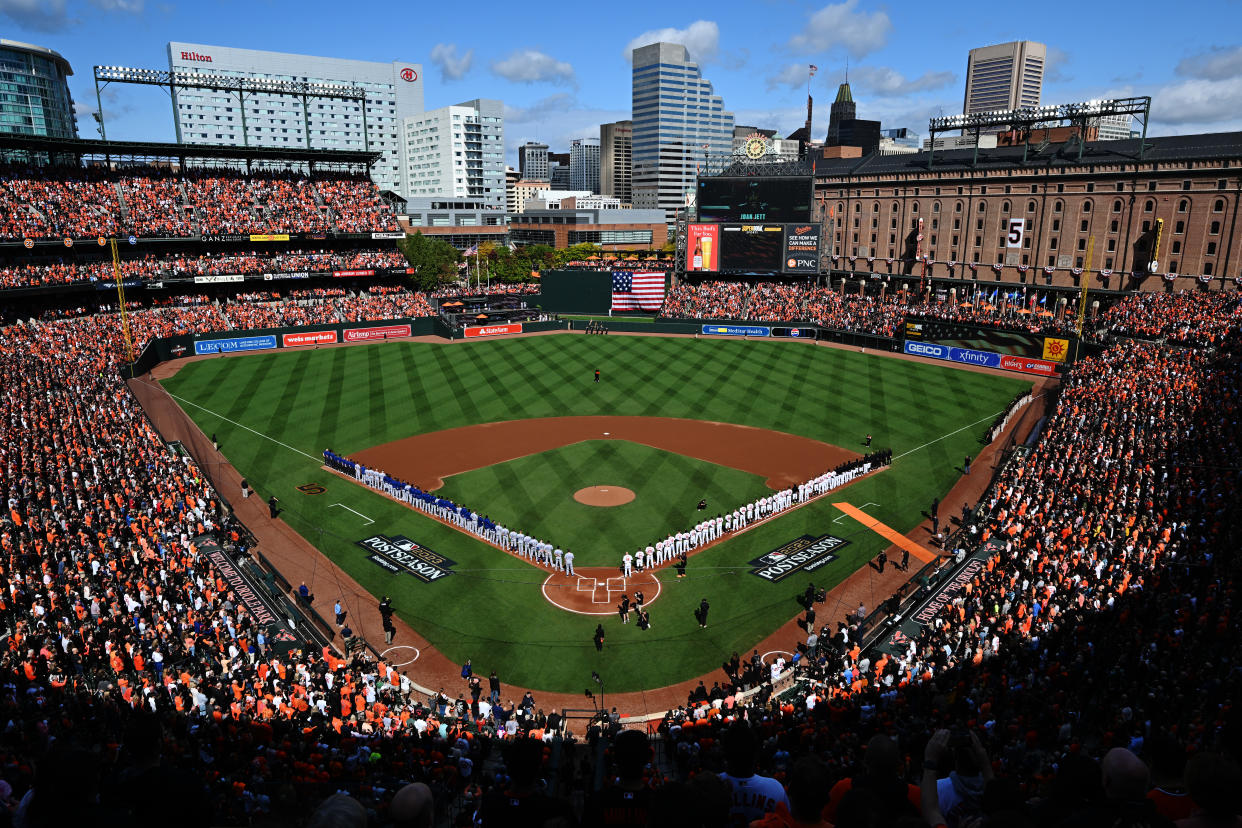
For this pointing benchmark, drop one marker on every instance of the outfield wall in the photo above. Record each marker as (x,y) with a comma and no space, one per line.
(227,342)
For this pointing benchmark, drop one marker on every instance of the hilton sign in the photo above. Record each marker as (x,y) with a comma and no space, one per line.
(196,56)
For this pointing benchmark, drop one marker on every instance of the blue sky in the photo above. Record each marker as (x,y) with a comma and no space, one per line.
(561,73)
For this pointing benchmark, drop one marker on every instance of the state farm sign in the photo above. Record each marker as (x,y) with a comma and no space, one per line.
(494,330)
(295,340)
(195,56)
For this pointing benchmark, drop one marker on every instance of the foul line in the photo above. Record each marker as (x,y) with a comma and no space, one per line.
(950,434)
(359,514)
(239,425)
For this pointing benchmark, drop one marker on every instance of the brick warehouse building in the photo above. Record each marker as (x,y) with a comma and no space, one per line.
(1191,182)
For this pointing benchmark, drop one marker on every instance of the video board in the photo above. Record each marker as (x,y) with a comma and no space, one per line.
(755,199)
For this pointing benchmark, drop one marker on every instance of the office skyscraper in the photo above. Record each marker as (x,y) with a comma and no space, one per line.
(533,161)
(584,164)
(616,153)
(36,86)
(678,122)
(843,109)
(1004,76)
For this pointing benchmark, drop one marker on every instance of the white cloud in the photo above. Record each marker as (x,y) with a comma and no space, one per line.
(132,6)
(37,15)
(533,66)
(1055,62)
(887,82)
(792,75)
(1216,64)
(701,38)
(452,67)
(858,32)
(557,104)
(1198,101)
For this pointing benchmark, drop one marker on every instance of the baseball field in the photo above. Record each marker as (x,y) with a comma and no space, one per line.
(515,428)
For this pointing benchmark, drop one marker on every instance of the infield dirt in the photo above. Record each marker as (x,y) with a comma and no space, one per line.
(781,459)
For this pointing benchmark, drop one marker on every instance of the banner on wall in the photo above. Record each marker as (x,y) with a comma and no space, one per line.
(703,247)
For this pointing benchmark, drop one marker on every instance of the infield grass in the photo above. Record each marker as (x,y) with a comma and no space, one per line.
(294,404)
(536,494)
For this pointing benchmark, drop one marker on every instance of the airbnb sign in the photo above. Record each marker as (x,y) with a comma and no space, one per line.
(195,56)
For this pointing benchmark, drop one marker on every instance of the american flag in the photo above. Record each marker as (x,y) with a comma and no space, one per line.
(637,291)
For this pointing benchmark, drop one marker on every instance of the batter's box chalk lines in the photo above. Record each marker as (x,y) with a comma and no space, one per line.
(583,581)
(620,585)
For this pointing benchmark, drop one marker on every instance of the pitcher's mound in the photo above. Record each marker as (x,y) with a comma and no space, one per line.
(604,495)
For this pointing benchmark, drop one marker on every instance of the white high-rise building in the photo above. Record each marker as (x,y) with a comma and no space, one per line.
(584,164)
(679,121)
(1114,127)
(1005,76)
(459,152)
(394,91)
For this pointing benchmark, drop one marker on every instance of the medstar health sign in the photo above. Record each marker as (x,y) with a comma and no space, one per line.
(805,554)
(400,554)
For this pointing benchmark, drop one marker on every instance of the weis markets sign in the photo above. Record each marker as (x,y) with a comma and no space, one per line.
(399,554)
(295,340)
(804,554)
(493,330)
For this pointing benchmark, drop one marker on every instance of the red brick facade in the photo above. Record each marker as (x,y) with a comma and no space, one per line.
(965,213)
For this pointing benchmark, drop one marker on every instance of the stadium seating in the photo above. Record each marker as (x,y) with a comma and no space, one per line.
(147,201)
(134,687)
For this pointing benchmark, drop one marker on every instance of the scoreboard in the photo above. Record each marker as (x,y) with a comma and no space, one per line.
(755,199)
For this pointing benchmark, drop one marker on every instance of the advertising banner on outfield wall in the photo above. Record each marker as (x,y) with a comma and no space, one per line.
(493,330)
(1029,365)
(297,340)
(966,356)
(234,343)
(795,333)
(218,278)
(381,332)
(736,330)
(801,248)
(340,274)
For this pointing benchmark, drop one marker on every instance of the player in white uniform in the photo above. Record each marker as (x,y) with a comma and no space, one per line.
(560,559)
(569,562)
(627,565)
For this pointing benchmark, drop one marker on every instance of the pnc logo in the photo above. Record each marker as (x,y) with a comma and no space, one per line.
(195,56)
(407,74)
(791,263)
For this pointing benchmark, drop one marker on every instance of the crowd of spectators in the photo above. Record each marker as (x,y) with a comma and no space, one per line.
(59,202)
(1184,318)
(706,300)
(867,312)
(1085,675)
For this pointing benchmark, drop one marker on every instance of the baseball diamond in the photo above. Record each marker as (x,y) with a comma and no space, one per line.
(368,400)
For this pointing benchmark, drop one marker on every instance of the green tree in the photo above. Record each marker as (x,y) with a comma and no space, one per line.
(576,253)
(434,261)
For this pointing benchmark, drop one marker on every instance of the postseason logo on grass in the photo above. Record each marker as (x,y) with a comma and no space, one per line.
(805,554)
(400,554)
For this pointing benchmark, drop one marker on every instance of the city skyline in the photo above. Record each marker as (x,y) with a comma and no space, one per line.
(558,85)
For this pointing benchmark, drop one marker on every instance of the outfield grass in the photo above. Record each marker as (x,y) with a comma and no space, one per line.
(535,493)
(274,413)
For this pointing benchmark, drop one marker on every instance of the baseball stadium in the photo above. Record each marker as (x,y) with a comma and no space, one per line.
(299,504)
